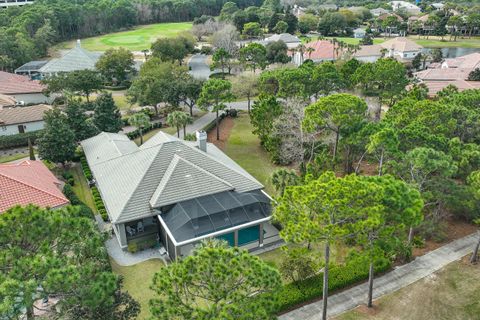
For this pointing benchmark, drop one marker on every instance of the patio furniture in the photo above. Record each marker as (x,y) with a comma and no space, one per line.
(140,227)
(130,231)
(162,251)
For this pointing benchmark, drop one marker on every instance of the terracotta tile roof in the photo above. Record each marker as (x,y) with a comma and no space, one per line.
(16,115)
(435,86)
(13,83)
(324,50)
(29,182)
(401,44)
(6,101)
(368,51)
(446,74)
(469,61)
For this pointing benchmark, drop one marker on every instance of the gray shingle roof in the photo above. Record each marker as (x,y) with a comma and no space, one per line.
(75,59)
(155,175)
(11,116)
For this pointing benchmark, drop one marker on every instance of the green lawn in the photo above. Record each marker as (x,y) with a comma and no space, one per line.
(244,147)
(436,42)
(137,281)
(450,294)
(13,157)
(81,188)
(136,39)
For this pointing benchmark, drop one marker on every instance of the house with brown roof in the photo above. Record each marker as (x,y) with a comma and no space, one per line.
(370,53)
(29,182)
(453,71)
(7,101)
(22,119)
(22,89)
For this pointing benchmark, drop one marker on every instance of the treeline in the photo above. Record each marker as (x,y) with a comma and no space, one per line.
(27,32)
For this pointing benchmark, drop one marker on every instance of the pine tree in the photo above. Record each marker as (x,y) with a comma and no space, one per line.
(57,143)
(79,122)
(107,116)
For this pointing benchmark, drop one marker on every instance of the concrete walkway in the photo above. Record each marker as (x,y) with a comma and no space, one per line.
(390,282)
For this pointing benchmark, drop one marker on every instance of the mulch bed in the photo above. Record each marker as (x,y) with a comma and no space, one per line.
(226,126)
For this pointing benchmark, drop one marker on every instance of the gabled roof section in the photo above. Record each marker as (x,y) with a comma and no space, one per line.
(159,138)
(183,181)
(401,44)
(73,60)
(17,115)
(29,182)
(132,183)
(106,146)
(16,84)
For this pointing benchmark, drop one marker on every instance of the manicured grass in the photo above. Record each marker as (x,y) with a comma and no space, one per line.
(121,101)
(137,39)
(436,42)
(137,281)
(451,293)
(81,188)
(13,157)
(244,147)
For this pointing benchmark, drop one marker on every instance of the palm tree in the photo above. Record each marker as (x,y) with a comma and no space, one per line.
(185,119)
(174,120)
(301,50)
(310,50)
(139,120)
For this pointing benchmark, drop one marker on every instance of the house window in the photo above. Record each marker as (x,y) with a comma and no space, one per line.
(21,128)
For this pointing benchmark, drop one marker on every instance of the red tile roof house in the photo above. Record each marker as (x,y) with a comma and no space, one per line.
(454,71)
(323,50)
(29,182)
(22,89)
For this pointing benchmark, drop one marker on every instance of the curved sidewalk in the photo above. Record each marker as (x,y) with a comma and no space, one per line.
(400,277)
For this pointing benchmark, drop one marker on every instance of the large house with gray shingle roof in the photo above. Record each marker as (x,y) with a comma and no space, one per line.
(178,192)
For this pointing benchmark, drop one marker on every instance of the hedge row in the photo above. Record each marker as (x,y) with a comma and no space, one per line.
(340,277)
(85,210)
(19,140)
(136,133)
(97,198)
(86,168)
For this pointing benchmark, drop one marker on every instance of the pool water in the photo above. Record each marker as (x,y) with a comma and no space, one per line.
(245,236)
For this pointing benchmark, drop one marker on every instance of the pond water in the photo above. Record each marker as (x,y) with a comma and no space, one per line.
(454,52)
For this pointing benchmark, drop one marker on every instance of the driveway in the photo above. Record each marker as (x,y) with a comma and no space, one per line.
(400,277)
(199,68)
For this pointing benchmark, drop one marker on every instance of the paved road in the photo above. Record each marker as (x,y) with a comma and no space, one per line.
(390,282)
(199,68)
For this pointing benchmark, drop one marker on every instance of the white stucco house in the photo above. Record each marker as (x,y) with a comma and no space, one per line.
(22,119)
(401,48)
(359,33)
(22,89)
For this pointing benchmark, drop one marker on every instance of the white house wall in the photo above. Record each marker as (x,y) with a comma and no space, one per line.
(13,129)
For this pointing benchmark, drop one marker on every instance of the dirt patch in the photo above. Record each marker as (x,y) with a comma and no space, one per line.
(455,229)
(363,309)
(226,126)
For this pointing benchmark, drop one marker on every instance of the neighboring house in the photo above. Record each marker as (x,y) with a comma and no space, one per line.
(386,15)
(75,59)
(290,40)
(321,50)
(7,101)
(298,11)
(22,89)
(378,12)
(369,53)
(29,182)
(31,69)
(401,48)
(22,119)
(14,3)
(452,71)
(177,192)
(410,8)
(359,33)
(438,5)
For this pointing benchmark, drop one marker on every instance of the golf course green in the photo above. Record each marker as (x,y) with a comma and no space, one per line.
(136,39)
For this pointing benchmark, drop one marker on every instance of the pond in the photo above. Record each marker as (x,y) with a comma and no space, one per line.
(454,52)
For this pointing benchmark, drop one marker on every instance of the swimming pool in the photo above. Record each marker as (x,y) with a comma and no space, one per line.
(245,236)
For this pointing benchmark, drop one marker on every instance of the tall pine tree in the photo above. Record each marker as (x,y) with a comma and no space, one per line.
(107,116)
(57,143)
(78,121)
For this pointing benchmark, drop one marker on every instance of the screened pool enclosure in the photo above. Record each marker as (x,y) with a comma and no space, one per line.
(235,217)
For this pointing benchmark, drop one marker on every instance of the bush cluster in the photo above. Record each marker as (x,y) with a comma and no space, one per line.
(86,168)
(85,211)
(68,176)
(141,245)
(136,133)
(19,140)
(97,198)
(354,271)
(211,125)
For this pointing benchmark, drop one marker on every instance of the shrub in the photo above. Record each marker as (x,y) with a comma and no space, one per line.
(232,113)
(190,137)
(136,133)
(85,211)
(19,140)
(340,277)
(132,247)
(68,176)
(71,196)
